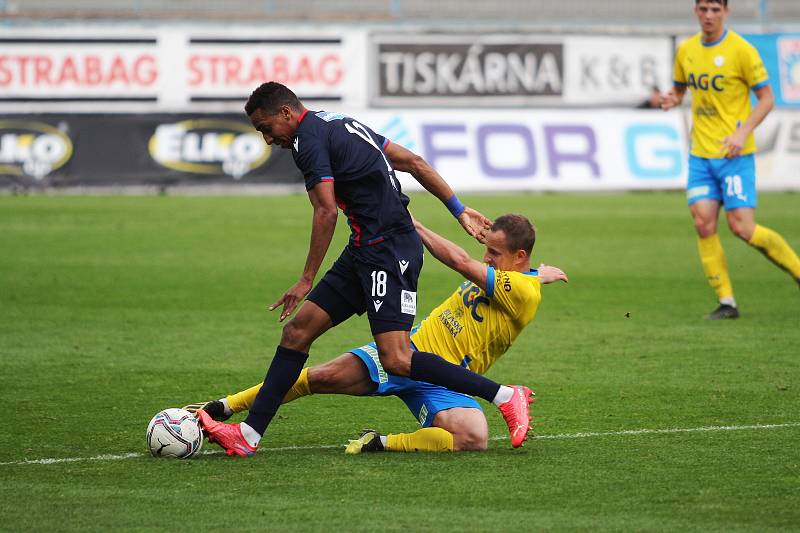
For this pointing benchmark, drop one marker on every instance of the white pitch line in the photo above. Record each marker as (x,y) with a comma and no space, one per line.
(561,436)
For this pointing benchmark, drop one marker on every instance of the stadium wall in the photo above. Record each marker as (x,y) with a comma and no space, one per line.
(131,106)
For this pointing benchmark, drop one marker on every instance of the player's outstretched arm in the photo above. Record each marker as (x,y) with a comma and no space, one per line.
(405,160)
(452,255)
(323,225)
(551,274)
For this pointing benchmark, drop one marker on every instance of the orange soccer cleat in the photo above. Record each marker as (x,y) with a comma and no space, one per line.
(516,414)
(229,436)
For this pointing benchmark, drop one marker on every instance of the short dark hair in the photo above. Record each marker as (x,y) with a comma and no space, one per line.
(270,97)
(723,2)
(520,233)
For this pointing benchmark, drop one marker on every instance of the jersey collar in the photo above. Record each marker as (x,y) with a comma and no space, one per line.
(714,43)
(302,116)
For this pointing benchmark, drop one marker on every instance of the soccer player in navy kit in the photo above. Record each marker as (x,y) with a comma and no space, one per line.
(348,165)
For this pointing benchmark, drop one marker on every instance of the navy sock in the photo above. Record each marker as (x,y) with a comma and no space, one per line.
(433,369)
(283,372)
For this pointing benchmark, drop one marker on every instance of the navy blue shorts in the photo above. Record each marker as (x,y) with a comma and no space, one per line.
(380,280)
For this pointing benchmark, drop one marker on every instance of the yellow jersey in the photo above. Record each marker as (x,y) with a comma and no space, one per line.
(720,76)
(473,327)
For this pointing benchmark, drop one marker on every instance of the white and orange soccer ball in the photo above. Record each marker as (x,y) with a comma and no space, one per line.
(174,433)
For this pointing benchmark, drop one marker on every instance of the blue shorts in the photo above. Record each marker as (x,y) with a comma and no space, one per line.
(731,181)
(380,280)
(423,399)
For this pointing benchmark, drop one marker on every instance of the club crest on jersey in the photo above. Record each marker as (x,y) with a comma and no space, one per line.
(403,266)
(719,61)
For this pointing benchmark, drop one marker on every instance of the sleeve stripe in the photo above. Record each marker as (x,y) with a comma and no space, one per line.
(386,143)
(490,281)
(326,178)
(760,85)
(678,83)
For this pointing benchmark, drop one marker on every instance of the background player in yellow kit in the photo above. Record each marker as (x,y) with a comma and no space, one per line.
(721,68)
(473,327)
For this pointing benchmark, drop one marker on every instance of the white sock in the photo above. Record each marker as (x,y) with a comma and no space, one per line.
(728,301)
(503,395)
(383,440)
(228,410)
(250,435)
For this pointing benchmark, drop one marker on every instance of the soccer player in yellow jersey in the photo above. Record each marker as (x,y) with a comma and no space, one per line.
(473,327)
(721,68)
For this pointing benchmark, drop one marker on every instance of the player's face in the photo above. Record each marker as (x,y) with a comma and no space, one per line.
(278,128)
(711,16)
(498,254)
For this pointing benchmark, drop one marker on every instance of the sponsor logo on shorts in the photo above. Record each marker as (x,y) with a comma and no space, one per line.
(378,304)
(383,377)
(403,266)
(423,414)
(694,192)
(408,302)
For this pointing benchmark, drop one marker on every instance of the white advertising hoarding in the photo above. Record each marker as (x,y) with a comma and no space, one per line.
(573,150)
(515,69)
(608,70)
(203,67)
(567,150)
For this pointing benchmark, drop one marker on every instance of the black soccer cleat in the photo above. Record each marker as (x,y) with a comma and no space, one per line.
(215,409)
(722,312)
(368,441)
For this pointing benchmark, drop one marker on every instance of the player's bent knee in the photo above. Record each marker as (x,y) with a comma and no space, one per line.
(295,336)
(740,229)
(705,228)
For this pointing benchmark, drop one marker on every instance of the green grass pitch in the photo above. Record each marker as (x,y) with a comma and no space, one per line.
(112,308)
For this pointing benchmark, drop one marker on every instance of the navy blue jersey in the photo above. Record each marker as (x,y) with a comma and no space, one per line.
(337,148)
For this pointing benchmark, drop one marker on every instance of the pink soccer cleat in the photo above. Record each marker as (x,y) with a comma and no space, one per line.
(516,414)
(229,436)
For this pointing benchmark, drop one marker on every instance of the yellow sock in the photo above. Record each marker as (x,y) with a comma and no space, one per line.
(771,244)
(423,440)
(712,256)
(241,401)
(299,389)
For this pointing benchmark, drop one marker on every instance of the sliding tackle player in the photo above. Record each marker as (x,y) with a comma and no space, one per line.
(473,327)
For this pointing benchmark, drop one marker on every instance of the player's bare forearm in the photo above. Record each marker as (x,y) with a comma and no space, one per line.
(733,144)
(766,101)
(322,228)
(452,255)
(407,161)
(473,222)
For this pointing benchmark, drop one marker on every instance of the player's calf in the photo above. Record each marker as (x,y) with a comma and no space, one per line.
(468,426)
(470,441)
